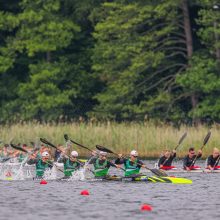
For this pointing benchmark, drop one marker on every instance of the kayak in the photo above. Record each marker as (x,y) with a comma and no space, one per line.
(152,179)
(168,179)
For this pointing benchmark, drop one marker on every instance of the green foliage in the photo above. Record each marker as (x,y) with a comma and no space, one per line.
(203,79)
(130,56)
(119,59)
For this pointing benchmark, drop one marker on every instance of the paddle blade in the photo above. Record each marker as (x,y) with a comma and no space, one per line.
(206,139)
(66,137)
(43,140)
(182,138)
(18,148)
(3,160)
(101,148)
(158,172)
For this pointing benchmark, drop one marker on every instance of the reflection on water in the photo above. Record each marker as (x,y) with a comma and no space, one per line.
(27,199)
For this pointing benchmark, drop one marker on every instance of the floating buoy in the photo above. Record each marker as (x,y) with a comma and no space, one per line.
(43,182)
(84,193)
(146,207)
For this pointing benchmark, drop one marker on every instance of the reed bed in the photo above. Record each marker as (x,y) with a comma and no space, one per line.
(148,139)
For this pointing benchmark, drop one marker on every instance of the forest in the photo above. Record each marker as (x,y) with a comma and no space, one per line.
(110,60)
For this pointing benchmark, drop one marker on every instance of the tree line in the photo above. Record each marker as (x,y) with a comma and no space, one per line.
(120,60)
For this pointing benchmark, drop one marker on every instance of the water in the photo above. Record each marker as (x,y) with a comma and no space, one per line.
(28,199)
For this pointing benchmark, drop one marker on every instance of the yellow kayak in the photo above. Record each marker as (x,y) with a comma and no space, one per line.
(165,179)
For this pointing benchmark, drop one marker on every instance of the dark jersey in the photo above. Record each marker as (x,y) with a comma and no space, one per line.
(211,161)
(166,161)
(188,162)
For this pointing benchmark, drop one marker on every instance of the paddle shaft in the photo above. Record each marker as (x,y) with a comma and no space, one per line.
(206,139)
(217,161)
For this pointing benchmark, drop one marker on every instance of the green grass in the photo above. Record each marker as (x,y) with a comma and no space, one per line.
(149,140)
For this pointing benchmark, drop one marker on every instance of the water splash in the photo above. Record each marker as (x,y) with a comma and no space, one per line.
(50,174)
(78,175)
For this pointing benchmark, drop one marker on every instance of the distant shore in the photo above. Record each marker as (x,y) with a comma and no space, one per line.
(148,139)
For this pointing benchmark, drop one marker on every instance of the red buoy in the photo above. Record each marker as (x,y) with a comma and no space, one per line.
(43,182)
(146,207)
(84,193)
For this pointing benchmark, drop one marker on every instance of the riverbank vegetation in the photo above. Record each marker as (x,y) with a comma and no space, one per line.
(149,139)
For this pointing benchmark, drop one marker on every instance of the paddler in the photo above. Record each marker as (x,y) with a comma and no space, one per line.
(189,160)
(213,160)
(71,164)
(42,163)
(165,162)
(101,165)
(132,165)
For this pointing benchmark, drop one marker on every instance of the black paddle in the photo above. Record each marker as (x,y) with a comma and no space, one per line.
(3,160)
(154,171)
(19,148)
(206,139)
(180,141)
(80,145)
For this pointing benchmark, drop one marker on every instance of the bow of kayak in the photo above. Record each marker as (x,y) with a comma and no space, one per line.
(167,179)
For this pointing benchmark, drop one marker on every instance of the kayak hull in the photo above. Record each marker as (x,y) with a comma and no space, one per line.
(152,179)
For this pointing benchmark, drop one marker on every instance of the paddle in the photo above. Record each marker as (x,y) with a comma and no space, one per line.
(19,148)
(180,141)
(154,171)
(217,161)
(80,145)
(206,139)
(3,160)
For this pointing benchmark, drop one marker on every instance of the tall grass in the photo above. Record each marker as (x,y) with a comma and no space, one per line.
(149,140)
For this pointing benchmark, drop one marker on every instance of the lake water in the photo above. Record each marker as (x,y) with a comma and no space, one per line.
(111,200)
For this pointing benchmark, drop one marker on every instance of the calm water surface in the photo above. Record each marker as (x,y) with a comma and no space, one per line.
(111,200)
